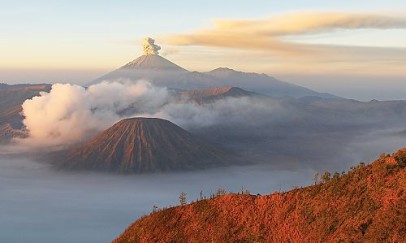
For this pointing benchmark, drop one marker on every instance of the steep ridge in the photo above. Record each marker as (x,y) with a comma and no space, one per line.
(11,99)
(367,204)
(139,145)
(13,96)
(7,133)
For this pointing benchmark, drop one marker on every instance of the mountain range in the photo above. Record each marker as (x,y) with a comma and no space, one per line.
(197,87)
(260,126)
(162,72)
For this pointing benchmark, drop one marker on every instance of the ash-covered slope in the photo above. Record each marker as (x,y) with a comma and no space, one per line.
(367,204)
(139,145)
(152,62)
(152,67)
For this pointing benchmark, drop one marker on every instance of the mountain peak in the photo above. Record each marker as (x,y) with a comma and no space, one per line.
(152,62)
(139,145)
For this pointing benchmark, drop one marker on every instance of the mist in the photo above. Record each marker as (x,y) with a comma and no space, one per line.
(69,114)
(56,206)
(283,143)
(283,133)
(50,206)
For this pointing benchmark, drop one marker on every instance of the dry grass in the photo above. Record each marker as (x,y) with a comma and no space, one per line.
(367,204)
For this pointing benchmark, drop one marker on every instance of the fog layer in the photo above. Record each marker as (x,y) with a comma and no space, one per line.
(41,205)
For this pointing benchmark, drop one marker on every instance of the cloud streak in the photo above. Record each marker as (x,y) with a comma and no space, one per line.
(312,22)
(268,34)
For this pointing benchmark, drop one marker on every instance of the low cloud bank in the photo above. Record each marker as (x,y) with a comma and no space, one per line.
(70,113)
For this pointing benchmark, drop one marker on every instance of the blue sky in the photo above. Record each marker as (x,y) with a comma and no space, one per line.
(75,41)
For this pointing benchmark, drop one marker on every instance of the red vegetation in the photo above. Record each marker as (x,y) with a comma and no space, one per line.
(367,204)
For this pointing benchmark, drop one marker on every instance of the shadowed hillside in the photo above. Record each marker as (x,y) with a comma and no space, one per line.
(202,96)
(367,204)
(11,99)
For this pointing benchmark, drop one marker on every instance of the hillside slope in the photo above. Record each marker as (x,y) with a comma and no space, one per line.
(11,99)
(367,204)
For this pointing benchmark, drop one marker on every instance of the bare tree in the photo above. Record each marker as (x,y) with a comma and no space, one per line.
(154,208)
(220,192)
(182,198)
(316,178)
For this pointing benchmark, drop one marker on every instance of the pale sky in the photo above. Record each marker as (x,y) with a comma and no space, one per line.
(312,43)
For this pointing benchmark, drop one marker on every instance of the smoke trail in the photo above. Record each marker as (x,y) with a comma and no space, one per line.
(150,48)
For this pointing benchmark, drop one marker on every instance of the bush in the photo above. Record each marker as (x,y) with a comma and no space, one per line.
(400,158)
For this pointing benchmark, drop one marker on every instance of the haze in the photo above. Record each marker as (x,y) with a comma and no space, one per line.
(77,42)
(276,91)
(51,206)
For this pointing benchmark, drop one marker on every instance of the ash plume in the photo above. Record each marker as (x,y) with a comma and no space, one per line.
(150,48)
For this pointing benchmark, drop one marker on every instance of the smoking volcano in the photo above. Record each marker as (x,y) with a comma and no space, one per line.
(162,72)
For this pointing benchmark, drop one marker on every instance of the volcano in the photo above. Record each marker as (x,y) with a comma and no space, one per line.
(162,72)
(152,62)
(141,145)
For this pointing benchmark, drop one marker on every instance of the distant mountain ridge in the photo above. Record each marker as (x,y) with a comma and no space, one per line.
(163,72)
(142,145)
(201,96)
(367,204)
(216,91)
